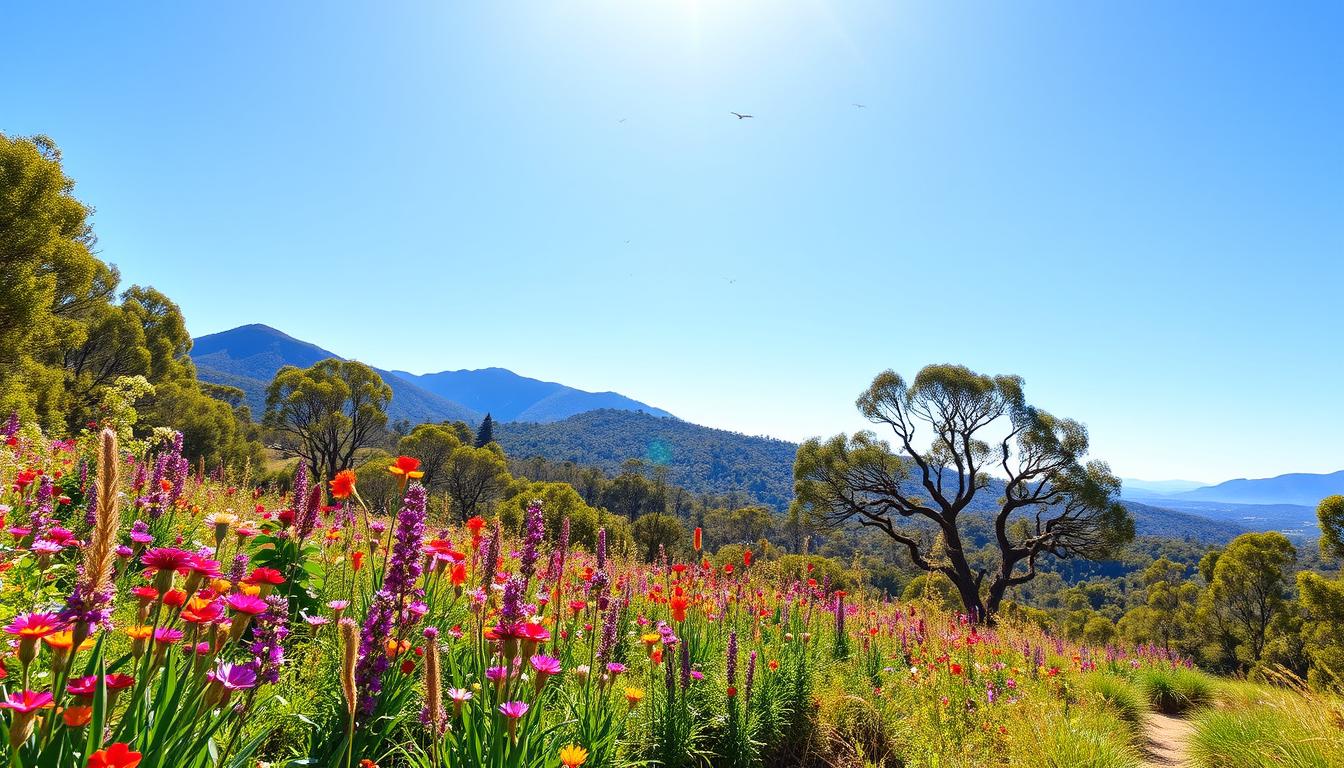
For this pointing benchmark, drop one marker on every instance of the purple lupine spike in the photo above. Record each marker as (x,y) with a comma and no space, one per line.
(670,674)
(299,493)
(268,636)
(607,643)
(490,560)
(511,610)
(239,569)
(601,548)
(685,666)
(534,530)
(11,426)
(732,659)
(403,568)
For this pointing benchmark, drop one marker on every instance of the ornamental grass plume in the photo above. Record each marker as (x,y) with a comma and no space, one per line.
(90,603)
(433,715)
(349,655)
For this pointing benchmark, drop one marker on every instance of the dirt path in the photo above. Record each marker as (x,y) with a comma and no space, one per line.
(1167,739)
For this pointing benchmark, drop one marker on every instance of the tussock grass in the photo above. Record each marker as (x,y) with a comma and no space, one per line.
(1255,726)
(1175,691)
(1120,695)
(1084,738)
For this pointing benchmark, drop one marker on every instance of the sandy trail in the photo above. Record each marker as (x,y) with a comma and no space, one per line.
(1167,740)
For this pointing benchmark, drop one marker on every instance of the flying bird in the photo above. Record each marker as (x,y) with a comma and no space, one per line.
(622,120)
(740,116)
(861,106)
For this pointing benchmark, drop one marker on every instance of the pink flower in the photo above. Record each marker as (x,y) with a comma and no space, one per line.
(26,702)
(168,559)
(248,604)
(546,665)
(34,625)
(510,709)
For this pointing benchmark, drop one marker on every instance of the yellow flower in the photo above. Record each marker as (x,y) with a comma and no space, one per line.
(573,756)
(651,638)
(634,696)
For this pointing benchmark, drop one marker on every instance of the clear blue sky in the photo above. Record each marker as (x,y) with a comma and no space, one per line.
(1137,206)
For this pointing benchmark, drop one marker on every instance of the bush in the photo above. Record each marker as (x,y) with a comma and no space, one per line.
(1174,691)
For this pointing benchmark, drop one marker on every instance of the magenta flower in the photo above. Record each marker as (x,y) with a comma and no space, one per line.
(546,665)
(26,702)
(248,604)
(168,559)
(34,625)
(495,674)
(82,686)
(510,709)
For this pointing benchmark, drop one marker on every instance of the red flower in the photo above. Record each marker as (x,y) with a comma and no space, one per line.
(406,468)
(475,525)
(459,575)
(698,535)
(265,576)
(118,755)
(746,558)
(343,484)
(357,559)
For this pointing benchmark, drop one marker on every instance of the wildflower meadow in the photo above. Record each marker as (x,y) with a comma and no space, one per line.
(162,617)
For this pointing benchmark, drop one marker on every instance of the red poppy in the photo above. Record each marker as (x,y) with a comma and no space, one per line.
(118,755)
(343,484)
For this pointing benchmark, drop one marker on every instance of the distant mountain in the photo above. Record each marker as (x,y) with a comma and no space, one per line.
(1293,520)
(247,357)
(1147,489)
(1299,489)
(506,396)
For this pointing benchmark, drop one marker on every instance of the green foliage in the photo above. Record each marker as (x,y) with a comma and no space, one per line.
(474,479)
(1247,594)
(329,411)
(1121,695)
(656,530)
(1330,512)
(1269,727)
(485,434)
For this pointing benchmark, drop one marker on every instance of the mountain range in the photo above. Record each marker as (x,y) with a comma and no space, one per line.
(563,423)
(248,357)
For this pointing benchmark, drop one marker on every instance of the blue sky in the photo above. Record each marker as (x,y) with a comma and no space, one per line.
(1139,207)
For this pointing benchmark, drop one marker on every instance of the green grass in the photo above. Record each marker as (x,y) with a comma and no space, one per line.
(1086,738)
(1175,691)
(1257,726)
(1119,695)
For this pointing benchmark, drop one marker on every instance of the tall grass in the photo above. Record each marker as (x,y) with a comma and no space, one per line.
(1257,726)
(1175,691)
(1120,695)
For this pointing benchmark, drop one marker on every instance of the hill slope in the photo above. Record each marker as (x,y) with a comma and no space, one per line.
(1297,488)
(506,396)
(700,459)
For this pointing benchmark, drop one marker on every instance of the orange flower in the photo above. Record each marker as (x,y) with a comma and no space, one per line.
(406,468)
(118,755)
(698,534)
(77,717)
(343,484)
(678,605)
(357,559)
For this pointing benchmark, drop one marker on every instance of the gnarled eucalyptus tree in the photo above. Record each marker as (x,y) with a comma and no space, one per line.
(1048,500)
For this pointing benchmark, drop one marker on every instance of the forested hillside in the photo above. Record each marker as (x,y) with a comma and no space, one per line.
(700,459)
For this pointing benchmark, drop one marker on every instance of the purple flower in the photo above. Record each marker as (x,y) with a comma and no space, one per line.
(403,568)
(732,658)
(234,677)
(534,530)
(268,637)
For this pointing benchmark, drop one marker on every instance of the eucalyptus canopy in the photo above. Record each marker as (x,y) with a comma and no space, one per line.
(958,433)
